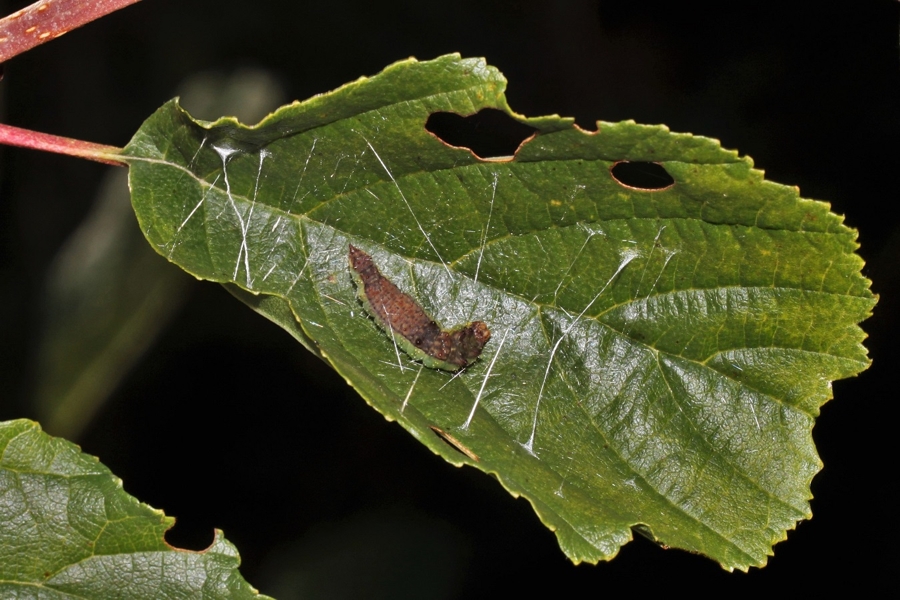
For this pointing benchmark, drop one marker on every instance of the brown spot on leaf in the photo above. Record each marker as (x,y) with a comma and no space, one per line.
(454,443)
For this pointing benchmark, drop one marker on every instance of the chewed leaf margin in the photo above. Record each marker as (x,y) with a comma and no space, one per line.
(69,528)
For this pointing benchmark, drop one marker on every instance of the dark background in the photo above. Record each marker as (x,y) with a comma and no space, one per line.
(228,423)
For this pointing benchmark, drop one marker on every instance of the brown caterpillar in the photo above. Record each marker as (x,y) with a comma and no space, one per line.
(410,327)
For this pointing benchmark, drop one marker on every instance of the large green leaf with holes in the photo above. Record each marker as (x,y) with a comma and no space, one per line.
(68,530)
(658,357)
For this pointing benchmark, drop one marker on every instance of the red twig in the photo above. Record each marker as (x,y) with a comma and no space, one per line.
(32,26)
(24,138)
(48,19)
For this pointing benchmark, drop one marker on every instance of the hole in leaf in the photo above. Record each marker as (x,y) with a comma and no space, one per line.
(641,175)
(454,443)
(184,536)
(489,133)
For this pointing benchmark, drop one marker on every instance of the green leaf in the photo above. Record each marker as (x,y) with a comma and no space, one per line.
(658,357)
(67,529)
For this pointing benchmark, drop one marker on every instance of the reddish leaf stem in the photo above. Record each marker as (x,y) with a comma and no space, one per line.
(24,138)
(48,19)
(41,22)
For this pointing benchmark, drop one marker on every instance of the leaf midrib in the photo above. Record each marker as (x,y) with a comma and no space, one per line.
(540,305)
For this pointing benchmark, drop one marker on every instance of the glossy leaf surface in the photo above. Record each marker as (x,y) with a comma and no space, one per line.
(657,358)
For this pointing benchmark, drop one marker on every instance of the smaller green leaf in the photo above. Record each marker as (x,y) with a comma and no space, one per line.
(68,529)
